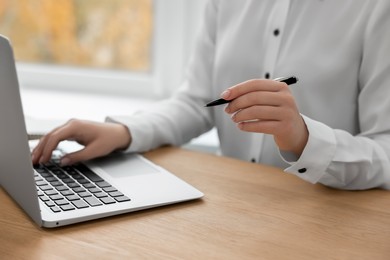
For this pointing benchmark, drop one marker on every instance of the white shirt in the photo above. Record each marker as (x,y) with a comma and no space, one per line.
(339,50)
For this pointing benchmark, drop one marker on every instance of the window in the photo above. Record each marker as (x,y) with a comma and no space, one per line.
(109,46)
(111,34)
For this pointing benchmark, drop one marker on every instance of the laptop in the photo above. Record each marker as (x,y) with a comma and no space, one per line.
(56,196)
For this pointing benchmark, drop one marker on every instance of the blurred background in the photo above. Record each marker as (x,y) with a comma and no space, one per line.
(115,34)
(104,57)
(138,47)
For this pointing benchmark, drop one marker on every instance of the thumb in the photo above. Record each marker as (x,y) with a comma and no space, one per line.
(78,156)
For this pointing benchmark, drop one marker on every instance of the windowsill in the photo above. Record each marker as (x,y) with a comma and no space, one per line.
(45,109)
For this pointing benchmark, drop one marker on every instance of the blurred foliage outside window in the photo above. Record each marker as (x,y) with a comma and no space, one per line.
(112,34)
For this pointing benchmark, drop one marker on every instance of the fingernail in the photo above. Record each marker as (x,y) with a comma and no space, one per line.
(225,94)
(227,109)
(65,161)
(233,116)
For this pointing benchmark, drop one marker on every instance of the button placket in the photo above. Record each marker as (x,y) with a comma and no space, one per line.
(275,25)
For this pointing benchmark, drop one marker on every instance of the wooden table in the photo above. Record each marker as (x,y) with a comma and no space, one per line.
(249,211)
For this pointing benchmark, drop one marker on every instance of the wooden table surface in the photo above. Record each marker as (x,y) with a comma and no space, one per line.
(249,211)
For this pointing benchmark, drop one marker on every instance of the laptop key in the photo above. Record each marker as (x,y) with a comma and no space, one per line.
(45,187)
(51,192)
(71,172)
(108,200)
(109,189)
(88,173)
(56,183)
(40,170)
(67,207)
(73,185)
(51,178)
(94,190)
(44,198)
(61,202)
(46,174)
(50,203)
(61,188)
(89,186)
(55,209)
(100,195)
(57,171)
(78,189)
(122,199)
(56,197)
(41,183)
(72,197)
(93,201)
(68,180)
(83,181)
(103,184)
(115,194)
(84,194)
(62,176)
(38,178)
(93,177)
(80,204)
(77,176)
(67,192)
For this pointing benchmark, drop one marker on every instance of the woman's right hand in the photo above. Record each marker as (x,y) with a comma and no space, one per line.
(98,139)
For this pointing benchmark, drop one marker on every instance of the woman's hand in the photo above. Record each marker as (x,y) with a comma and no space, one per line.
(99,139)
(267,106)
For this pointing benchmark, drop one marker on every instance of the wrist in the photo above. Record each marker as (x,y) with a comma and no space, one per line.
(124,137)
(301,141)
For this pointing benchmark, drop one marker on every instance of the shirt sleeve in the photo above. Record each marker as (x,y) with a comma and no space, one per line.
(335,157)
(177,120)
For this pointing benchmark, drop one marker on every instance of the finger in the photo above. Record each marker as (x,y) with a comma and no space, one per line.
(53,139)
(250,86)
(90,151)
(259,126)
(72,158)
(261,98)
(257,113)
(38,149)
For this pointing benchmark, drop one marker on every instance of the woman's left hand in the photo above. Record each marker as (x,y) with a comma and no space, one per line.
(268,106)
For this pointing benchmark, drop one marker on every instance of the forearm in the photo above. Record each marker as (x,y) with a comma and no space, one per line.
(172,122)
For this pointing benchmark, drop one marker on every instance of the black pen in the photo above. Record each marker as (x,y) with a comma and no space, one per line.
(288,80)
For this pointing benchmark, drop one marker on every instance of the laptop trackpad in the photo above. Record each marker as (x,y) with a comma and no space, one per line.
(124,165)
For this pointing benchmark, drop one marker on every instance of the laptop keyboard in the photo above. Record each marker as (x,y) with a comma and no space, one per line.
(73,187)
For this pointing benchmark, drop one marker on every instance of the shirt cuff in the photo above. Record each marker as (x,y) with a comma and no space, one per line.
(317,155)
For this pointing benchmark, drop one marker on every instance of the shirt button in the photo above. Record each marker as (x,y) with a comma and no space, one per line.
(276,32)
(253,160)
(267,76)
(302,170)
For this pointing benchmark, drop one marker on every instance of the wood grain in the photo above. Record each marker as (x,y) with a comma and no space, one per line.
(249,211)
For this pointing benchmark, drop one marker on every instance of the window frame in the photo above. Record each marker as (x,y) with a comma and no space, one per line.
(175,23)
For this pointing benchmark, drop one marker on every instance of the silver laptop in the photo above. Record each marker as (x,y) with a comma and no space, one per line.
(56,196)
